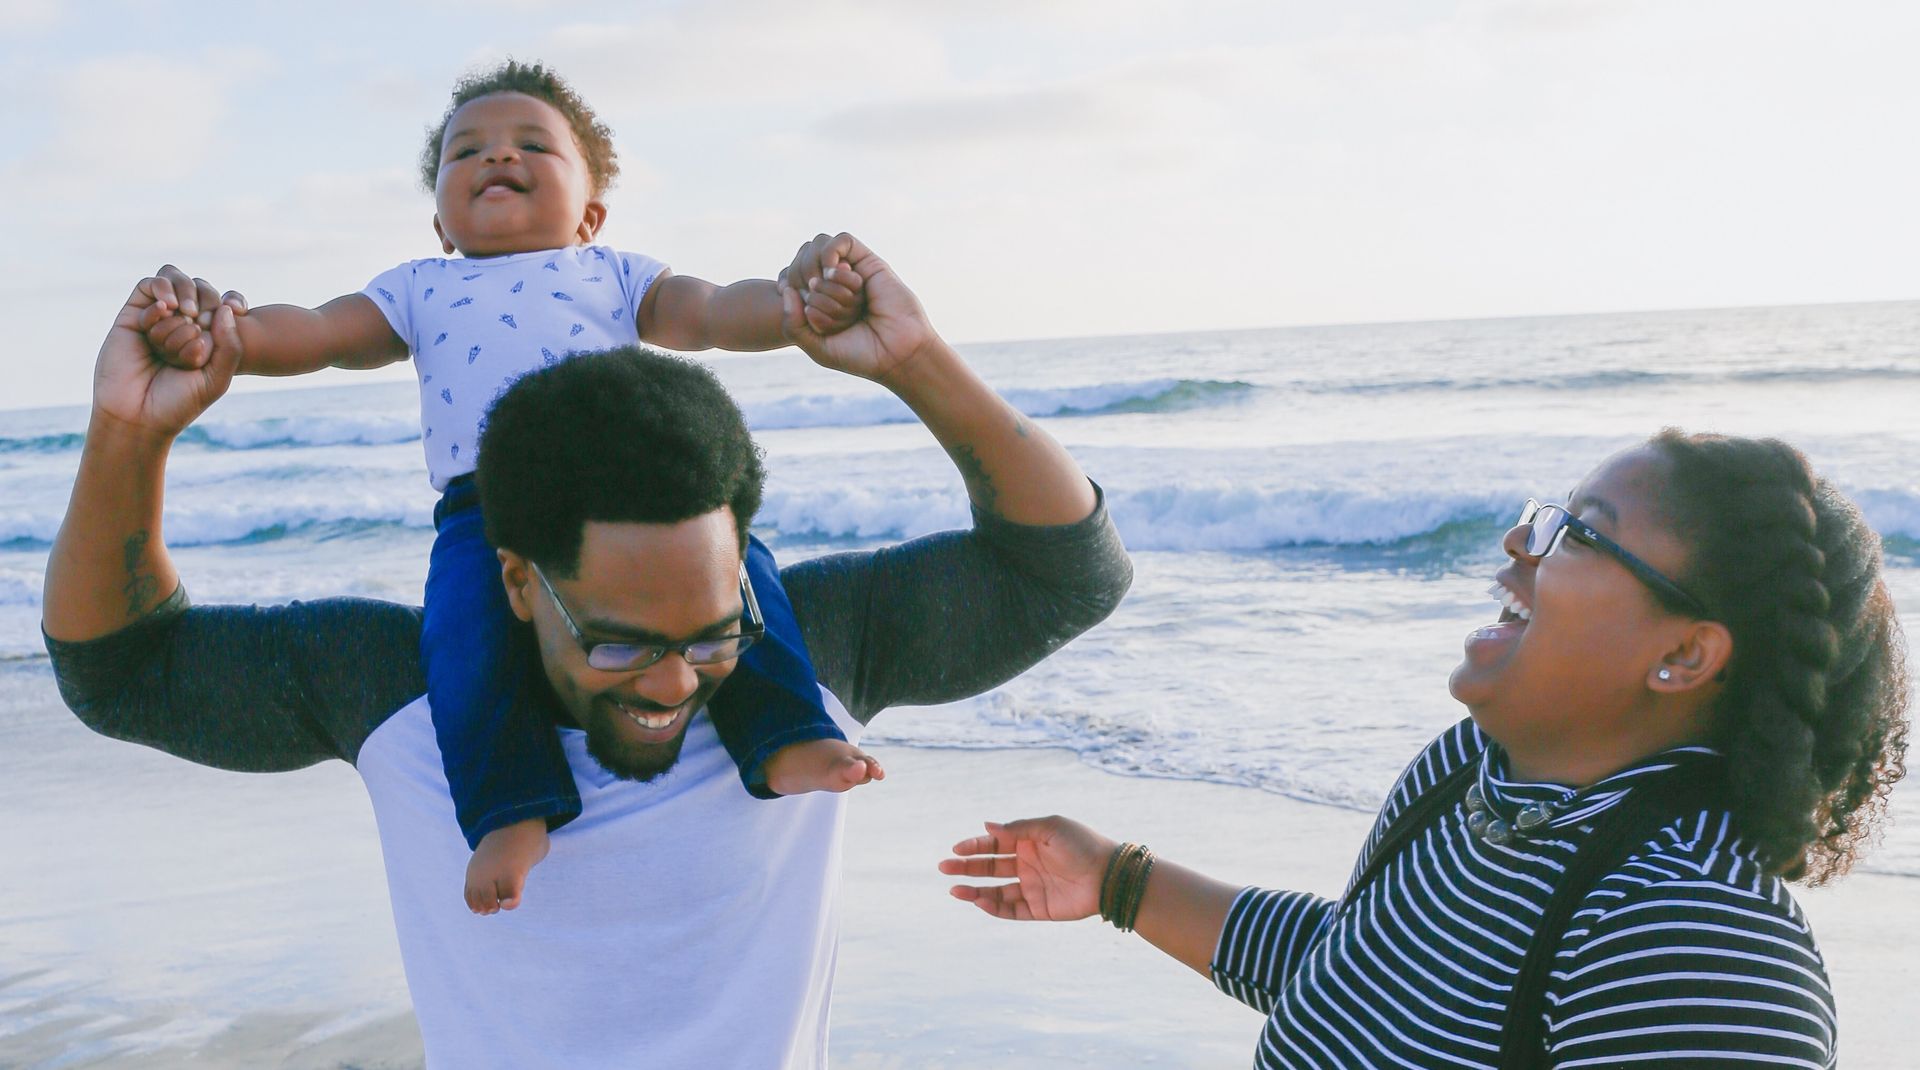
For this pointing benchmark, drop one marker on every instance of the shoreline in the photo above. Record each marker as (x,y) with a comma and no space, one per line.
(1090,980)
(926,981)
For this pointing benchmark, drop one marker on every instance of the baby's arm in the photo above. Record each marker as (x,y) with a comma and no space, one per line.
(346,332)
(689,314)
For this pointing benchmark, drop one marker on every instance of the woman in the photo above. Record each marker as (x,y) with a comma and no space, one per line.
(1695,692)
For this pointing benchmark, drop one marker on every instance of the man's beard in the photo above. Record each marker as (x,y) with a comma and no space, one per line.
(633,760)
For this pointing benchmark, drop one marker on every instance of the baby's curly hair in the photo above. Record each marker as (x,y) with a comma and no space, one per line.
(540,82)
(1813,716)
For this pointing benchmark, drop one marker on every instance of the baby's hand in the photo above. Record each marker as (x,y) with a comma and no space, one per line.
(178,325)
(834,300)
(833,296)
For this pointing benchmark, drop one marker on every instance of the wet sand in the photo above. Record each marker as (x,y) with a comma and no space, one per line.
(926,981)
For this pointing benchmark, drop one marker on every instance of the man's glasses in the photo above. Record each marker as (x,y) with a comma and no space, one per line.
(633,657)
(1549,525)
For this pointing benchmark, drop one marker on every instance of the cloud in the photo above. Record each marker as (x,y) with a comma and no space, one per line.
(1066,167)
(1045,113)
(116,119)
(743,51)
(1012,16)
(17,15)
(322,235)
(1547,16)
(1169,114)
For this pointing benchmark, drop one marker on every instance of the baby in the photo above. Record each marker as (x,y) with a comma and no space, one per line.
(518,167)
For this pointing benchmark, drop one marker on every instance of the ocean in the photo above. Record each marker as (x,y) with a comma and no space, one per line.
(1314,515)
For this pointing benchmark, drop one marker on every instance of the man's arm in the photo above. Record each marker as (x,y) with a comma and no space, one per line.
(257,689)
(108,567)
(1013,469)
(238,687)
(949,615)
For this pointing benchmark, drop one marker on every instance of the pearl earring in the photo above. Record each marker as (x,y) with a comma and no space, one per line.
(1666,674)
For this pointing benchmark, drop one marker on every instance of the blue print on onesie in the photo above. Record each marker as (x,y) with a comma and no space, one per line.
(493,713)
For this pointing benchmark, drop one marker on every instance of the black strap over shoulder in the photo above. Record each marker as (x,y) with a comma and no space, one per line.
(1617,833)
(1652,804)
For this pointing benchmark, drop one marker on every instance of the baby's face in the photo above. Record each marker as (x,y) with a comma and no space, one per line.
(512,180)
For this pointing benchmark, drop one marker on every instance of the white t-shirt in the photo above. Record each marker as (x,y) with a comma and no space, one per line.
(676,923)
(475,326)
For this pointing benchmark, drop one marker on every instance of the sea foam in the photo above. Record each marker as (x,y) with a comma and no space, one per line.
(1154,514)
(378,428)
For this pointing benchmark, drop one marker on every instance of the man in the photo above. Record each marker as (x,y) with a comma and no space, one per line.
(679,921)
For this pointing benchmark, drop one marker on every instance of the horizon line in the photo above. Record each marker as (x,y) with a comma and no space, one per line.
(1316,325)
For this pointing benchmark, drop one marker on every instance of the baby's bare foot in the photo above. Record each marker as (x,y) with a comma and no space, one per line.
(497,872)
(820,765)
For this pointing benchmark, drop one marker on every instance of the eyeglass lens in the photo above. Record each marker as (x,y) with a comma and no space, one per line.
(1548,527)
(1547,524)
(616,657)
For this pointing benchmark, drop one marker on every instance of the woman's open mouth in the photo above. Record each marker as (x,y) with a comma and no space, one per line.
(1511,607)
(1487,641)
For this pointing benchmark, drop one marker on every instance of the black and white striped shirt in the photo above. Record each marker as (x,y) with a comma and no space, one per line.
(1688,952)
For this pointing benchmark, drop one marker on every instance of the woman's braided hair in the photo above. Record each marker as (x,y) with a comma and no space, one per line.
(1812,715)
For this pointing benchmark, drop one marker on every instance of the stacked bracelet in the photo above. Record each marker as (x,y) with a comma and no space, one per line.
(1124,885)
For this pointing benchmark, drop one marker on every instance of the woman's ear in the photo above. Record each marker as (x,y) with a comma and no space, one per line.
(1699,659)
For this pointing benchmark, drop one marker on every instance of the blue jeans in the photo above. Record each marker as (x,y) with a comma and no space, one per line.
(494,714)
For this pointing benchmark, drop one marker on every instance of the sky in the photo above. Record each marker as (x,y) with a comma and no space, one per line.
(1033,168)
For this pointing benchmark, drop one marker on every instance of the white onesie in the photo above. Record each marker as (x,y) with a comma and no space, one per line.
(475,326)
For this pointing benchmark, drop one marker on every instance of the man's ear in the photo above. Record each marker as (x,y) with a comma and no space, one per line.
(591,222)
(446,243)
(515,576)
(1697,660)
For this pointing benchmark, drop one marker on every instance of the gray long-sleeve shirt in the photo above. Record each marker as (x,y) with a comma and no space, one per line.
(676,922)
(261,689)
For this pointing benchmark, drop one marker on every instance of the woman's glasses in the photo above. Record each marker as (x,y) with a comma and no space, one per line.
(1548,527)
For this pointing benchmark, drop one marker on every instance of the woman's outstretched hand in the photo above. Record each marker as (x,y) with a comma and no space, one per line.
(1056,866)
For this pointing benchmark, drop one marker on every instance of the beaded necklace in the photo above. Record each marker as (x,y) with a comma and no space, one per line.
(1490,813)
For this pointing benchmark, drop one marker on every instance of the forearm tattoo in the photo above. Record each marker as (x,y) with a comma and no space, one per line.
(979,484)
(141,587)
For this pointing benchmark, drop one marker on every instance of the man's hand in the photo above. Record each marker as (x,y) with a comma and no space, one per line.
(876,345)
(135,385)
(832,294)
(1057,866)
(179,322)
